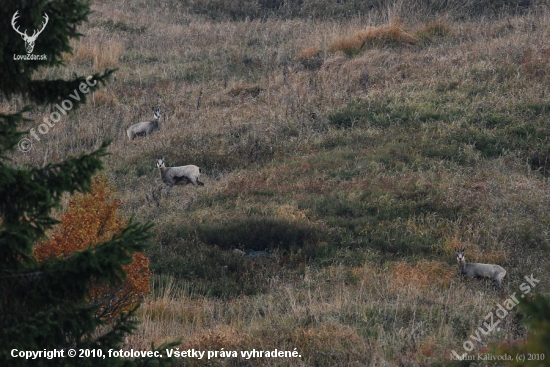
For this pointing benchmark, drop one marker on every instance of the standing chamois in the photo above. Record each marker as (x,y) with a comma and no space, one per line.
(144,128)
(476,270)
(182,175)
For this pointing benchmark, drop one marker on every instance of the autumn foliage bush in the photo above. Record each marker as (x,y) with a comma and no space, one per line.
(90,220)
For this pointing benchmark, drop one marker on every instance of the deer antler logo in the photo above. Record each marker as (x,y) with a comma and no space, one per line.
(29,40)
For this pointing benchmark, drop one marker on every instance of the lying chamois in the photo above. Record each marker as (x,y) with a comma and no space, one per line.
(144,128)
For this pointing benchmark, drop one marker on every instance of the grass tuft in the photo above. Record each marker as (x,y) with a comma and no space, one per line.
(385,36)
(433,30)
(310,58)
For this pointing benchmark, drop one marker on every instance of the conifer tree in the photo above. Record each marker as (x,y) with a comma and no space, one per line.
(43,305)
(535,350)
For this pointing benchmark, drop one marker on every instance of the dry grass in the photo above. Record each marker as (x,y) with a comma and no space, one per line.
(309,52)
(307,317)
(348,45)
(435,29)
(103,54)
(423,274)
(392,35)
(386,35)
(366,172)
(244,90)
(310,58)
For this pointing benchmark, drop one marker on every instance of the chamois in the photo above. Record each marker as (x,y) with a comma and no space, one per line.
(476,270)
(182,175)
(144,128)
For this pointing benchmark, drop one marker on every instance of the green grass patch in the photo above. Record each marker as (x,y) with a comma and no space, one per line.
(492,132)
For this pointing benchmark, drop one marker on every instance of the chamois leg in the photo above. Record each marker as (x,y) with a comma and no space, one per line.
(167,190)
(154,196)
(182,181)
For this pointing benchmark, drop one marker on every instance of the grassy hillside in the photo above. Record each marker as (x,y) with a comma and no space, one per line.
(358,150)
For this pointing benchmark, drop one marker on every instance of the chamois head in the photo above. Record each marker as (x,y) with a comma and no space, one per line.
(160,162)
(460,255)
(156,113)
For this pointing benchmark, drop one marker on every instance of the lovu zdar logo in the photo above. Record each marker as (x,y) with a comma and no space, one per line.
(29,40)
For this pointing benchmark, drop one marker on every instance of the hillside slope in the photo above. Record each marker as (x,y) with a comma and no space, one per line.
(358,151)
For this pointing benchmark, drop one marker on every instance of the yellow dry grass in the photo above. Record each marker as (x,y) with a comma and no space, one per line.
(390,35)
(386,35)
(424,274)
(309,52)
(434,29)
(103,54)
